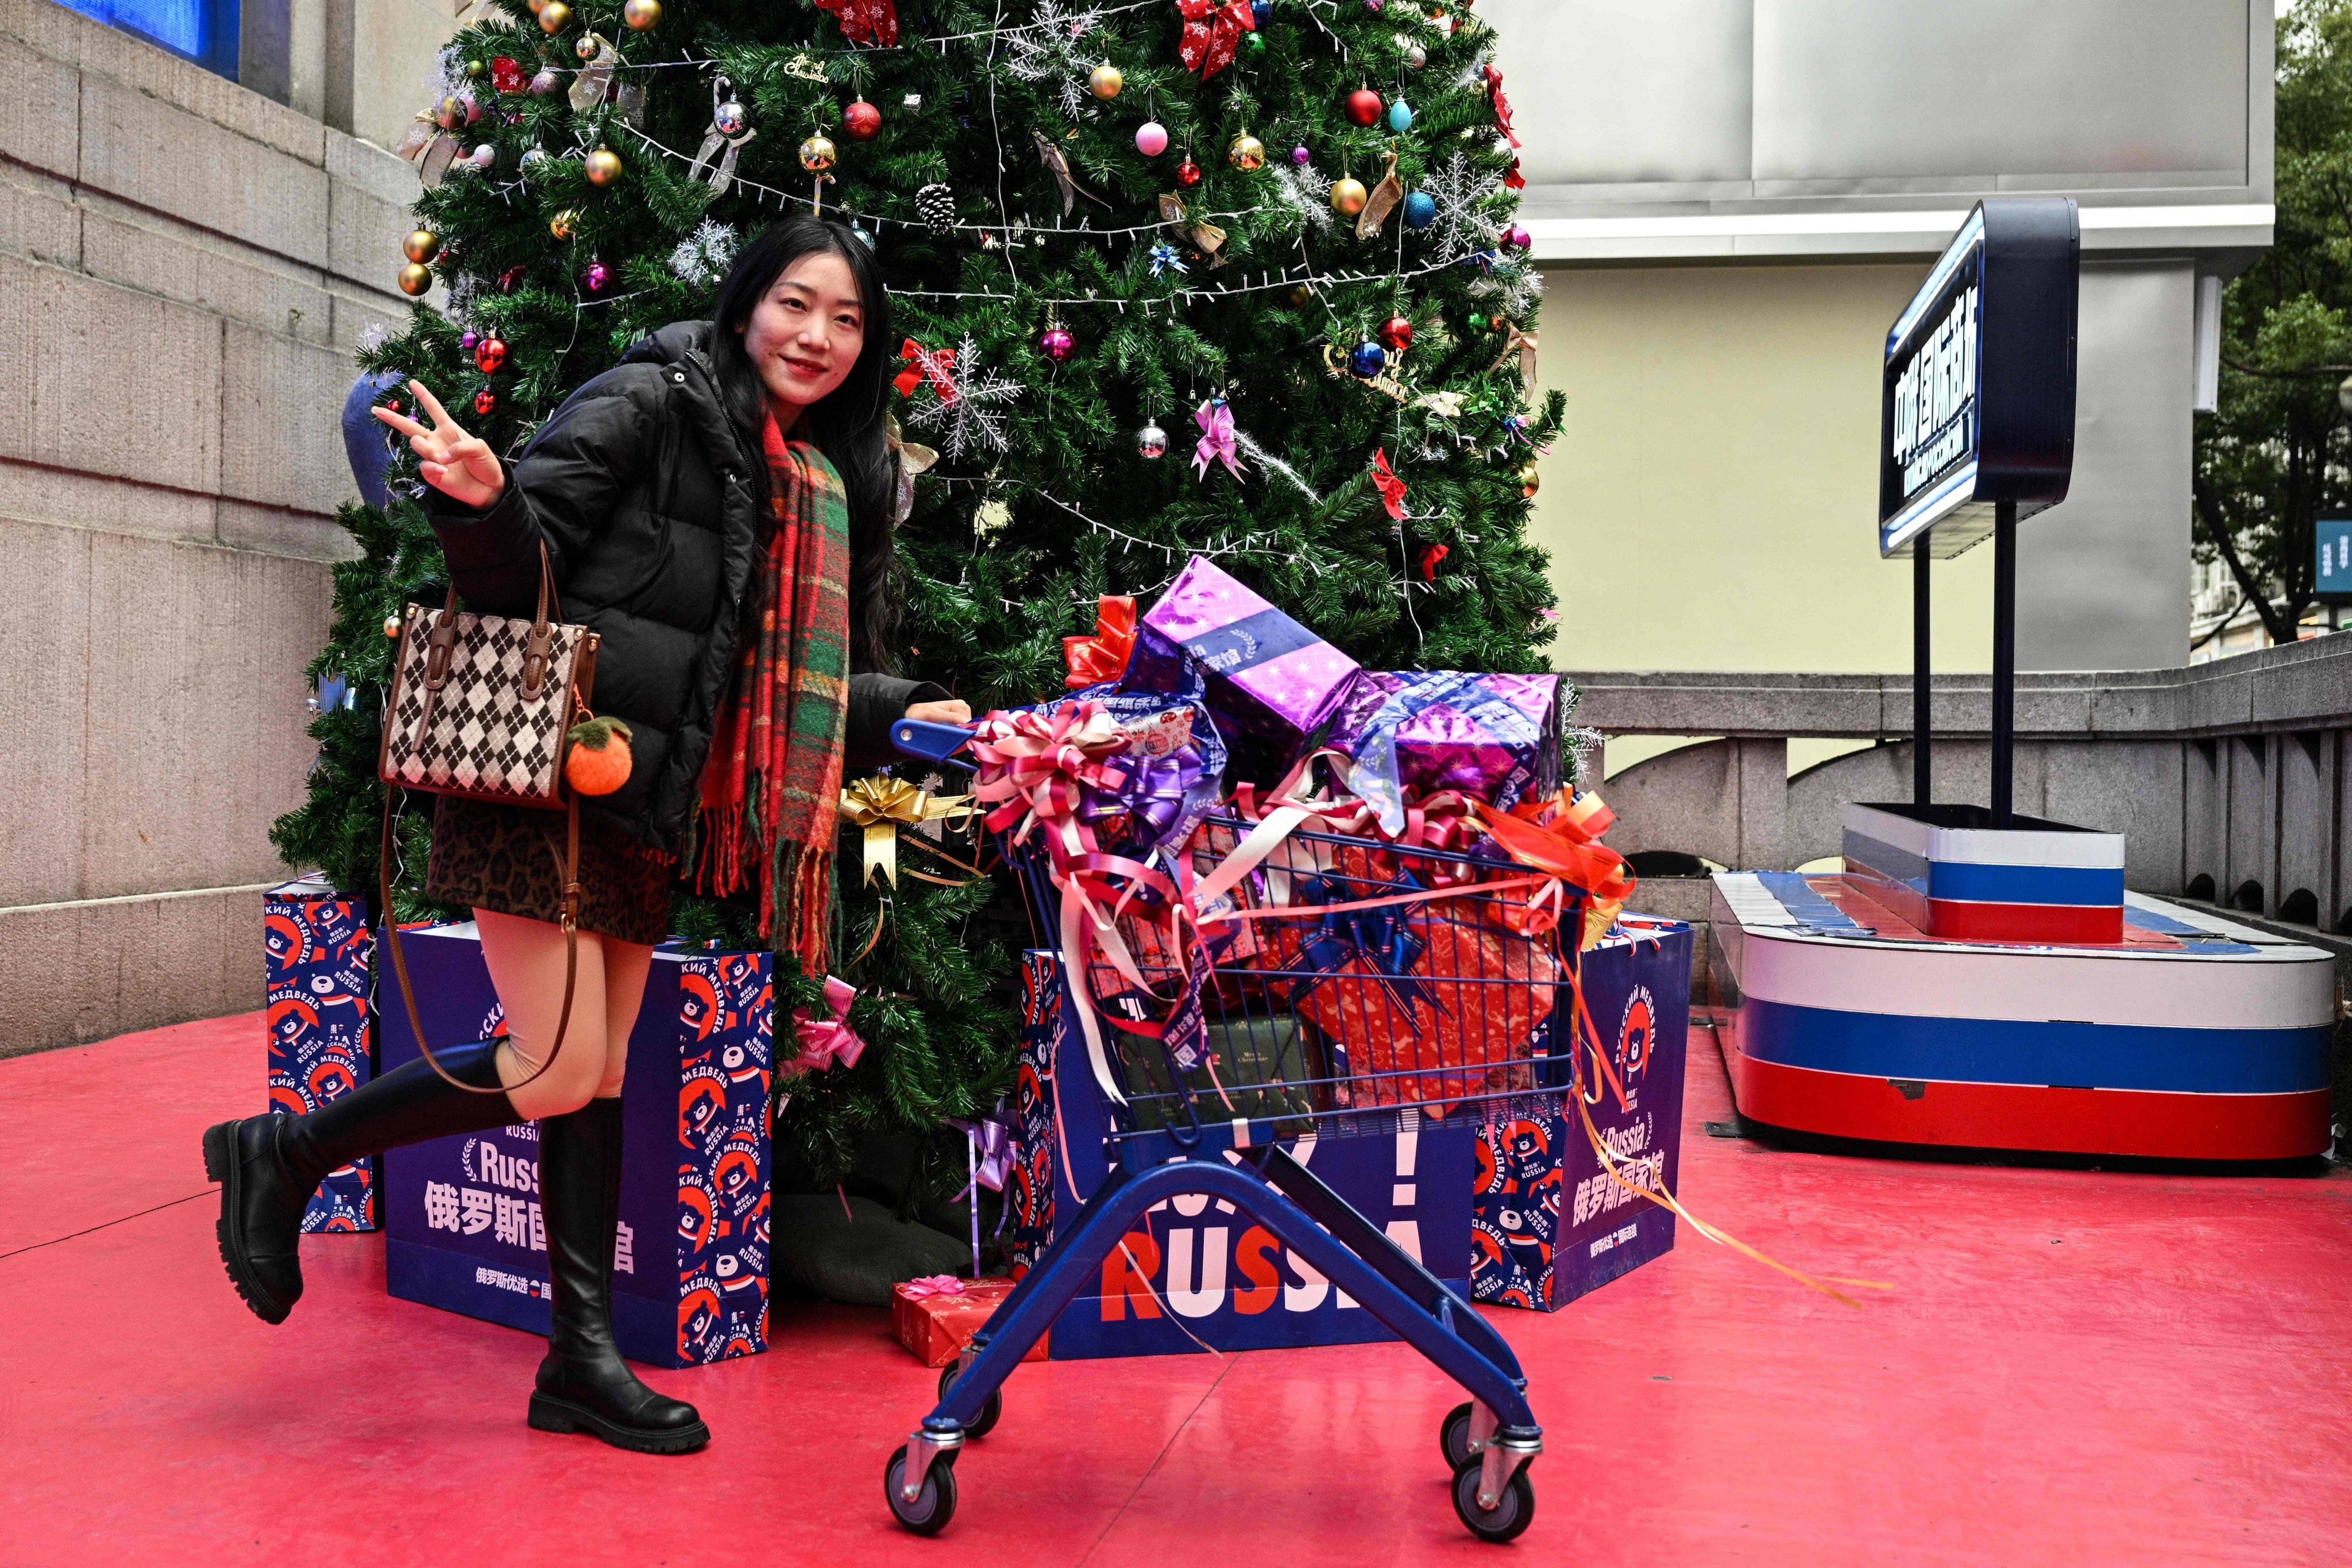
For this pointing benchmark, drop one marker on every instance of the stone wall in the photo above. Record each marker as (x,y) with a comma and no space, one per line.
(185,268)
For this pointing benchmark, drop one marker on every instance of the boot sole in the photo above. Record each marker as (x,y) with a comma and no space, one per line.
(549,1413)
(221,1166)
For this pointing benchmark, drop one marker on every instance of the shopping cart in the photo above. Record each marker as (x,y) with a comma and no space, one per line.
(1375,986)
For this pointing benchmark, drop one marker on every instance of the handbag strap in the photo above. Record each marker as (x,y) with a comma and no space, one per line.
(568,862)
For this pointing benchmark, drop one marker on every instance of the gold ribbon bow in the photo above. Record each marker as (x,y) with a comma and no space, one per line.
(880,803)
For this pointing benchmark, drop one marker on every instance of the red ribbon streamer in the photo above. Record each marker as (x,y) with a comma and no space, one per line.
(1212,33)
(865,21)
(1102,657)
(1391,488)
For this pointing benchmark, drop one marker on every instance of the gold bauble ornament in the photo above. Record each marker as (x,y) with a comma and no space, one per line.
(1248,153)
(1529,480)
(561,225)
(1348,194)
(537,6)
(603,166)
(554,16)
(415,278)
(817,154)
(1299,296)
(421,245)
(392,625)
(450,112)
(1106,81)
(642,14)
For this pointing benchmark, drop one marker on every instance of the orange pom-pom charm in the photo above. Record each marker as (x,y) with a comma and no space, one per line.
(599,760)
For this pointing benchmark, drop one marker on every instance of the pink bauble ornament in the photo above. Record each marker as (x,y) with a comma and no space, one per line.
(1056,344)
(1518,237)
(1152,138)
(597,276)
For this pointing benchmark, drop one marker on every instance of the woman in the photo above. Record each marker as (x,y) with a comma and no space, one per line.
(720,508)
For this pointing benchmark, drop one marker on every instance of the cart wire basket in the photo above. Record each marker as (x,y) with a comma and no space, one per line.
(1349,986)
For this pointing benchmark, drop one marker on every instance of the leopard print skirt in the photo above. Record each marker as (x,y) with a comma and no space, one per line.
(509,859)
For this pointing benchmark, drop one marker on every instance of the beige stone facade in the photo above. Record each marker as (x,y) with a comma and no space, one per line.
(185,267)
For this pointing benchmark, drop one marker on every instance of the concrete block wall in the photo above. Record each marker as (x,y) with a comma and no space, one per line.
(185,268)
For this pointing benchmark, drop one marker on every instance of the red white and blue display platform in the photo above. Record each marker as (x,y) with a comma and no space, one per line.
(1950,873)
(2193,1037)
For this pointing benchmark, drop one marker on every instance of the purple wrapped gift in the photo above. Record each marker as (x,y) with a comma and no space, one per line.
(1492,737)
(1272,686)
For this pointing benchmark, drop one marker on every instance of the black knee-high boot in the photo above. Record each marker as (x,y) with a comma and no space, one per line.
(584,1385)
(269,1167)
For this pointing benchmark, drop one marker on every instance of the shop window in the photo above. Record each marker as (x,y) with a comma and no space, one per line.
(204,31)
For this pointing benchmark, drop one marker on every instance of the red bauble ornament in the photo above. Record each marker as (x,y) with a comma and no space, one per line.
(1188,173)
(1364,106)
(507,75)
(484,400)
(1396,334)
(860,121)
(488,355)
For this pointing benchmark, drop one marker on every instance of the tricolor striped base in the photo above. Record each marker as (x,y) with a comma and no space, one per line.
(1949,873)
(2193,1038)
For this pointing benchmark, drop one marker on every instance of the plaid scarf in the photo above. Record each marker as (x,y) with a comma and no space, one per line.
(775,757)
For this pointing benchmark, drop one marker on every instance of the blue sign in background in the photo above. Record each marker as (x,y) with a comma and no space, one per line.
(2331,576)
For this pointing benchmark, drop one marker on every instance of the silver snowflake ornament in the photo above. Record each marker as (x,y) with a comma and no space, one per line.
(968,414)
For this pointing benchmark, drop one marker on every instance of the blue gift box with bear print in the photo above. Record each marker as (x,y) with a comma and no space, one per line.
(319,958)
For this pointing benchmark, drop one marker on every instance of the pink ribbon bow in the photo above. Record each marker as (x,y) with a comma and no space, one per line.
(1215,418)
(932,1285)
(1036,769)
(825,1041)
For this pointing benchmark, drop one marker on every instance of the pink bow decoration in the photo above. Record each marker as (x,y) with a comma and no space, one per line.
(931,1285)
(1391,488)
(1215,418)
(825,1041)
(1036,769)
(1212,31)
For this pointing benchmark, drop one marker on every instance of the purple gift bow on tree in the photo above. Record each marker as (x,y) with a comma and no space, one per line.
(825,1041)
(988,1160)
(1215,418)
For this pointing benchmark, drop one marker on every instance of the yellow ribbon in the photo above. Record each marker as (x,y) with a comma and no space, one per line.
(880,803)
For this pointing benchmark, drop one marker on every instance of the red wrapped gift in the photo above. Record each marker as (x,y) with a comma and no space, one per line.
(936,1318)
(1458,1019)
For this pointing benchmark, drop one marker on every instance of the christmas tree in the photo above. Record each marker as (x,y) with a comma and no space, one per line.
(1175,277)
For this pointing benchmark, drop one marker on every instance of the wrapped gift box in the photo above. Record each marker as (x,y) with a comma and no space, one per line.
(690,1274)
(1492,737)
(1224,1279)
(1550,1223)
(318,953)
(1273,687)
(936,1318)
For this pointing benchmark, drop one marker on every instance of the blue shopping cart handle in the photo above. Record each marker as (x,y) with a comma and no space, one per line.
(920,738)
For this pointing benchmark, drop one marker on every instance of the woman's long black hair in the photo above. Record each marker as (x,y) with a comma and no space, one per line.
(847,425)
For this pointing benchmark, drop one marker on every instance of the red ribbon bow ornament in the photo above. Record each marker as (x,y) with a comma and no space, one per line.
(934,365)
(1561,837)
(865,21)
(1391,488)
(1102,657)
(1212,31)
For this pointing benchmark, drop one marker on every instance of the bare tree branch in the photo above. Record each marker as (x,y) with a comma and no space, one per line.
(2274,620)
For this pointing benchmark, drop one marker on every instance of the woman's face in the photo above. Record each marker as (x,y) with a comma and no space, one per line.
(805,332)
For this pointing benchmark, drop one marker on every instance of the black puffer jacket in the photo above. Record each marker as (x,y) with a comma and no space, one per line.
(649,504)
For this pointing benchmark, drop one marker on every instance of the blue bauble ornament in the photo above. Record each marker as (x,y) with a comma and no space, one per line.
(1368,359)
(1262,11)
(1420,210)
(1400,116)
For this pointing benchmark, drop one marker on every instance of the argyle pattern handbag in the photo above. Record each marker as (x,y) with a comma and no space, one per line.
(481,707)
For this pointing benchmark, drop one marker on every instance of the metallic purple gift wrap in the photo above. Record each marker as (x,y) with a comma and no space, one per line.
(1493,737)
(1272,686)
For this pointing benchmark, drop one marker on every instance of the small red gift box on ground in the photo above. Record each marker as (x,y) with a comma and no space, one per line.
(936,1318)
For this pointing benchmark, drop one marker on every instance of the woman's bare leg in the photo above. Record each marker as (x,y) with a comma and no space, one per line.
(526,962)
(626,965)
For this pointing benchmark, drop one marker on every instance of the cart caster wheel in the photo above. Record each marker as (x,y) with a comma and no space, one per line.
(935,1504)
(1453,1436)
(990,1413)
(1506,1521)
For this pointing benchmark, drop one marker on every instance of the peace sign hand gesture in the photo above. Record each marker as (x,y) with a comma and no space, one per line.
(460,466)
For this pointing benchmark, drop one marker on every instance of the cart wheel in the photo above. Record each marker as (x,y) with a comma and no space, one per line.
(1512,1512)
(935,1504)
(1453,1436)
(990,1413)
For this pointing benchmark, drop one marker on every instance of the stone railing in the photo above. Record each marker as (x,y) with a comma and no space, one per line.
(2226,779)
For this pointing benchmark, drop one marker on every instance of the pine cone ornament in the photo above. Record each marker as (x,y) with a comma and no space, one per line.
(935,204)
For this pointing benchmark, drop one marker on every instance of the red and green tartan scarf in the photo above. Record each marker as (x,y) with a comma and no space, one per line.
(774,780)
